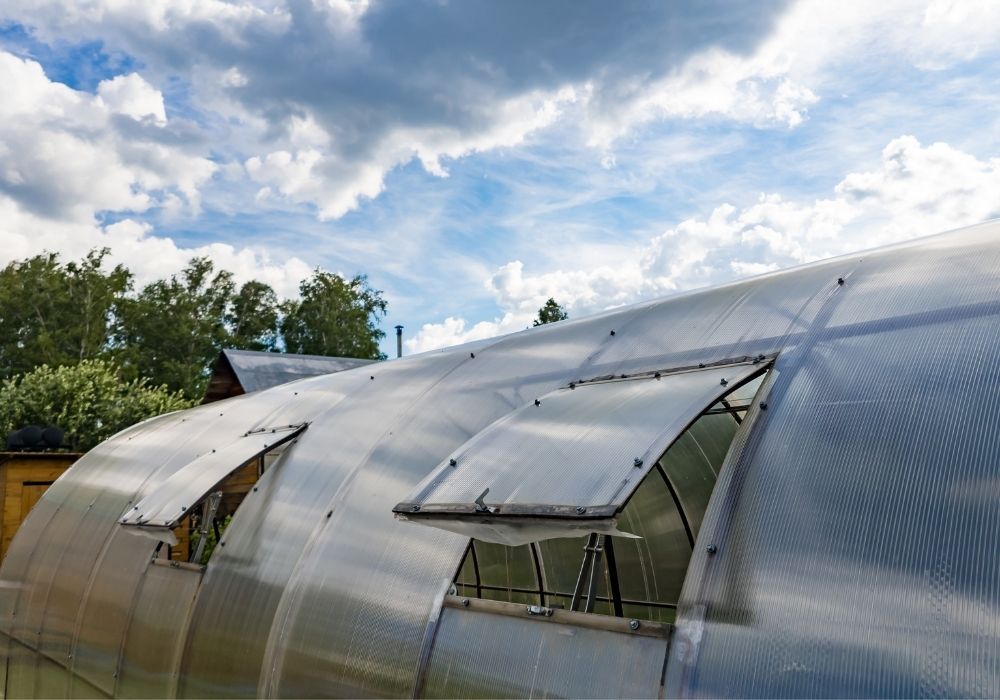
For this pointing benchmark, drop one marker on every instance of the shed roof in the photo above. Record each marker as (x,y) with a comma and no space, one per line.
(255,371)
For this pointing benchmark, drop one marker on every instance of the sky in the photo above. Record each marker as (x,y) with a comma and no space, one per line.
(476,158)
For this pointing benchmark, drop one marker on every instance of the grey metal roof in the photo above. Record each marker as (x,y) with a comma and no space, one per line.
(262,370)
(849,547)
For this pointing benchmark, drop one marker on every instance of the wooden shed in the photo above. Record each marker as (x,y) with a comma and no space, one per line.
(24,477)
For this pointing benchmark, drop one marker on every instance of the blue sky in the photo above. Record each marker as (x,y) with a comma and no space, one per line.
(475,158)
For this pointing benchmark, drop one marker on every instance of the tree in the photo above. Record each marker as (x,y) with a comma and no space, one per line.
(173,330)
(89,400)
(252,319)
(550,313)
(54,313)
(334,316)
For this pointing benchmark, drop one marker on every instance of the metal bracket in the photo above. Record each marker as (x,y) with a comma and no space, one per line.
(481,506)
(208,511)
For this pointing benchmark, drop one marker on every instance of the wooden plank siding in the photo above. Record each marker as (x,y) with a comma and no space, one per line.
(24,478)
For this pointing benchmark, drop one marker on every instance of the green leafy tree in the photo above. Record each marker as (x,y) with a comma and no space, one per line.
(252,319)
(334,316)
(173,330)
(54,313)
(550,313)
(89,400)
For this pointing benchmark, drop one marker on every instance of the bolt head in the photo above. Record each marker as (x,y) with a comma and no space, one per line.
(633,624)
(763,406)
(637,462)
(415,508)
(711,549)
(453,462)
(581,510)
(465,602)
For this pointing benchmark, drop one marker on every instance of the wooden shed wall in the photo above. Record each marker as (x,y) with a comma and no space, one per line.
(24,477)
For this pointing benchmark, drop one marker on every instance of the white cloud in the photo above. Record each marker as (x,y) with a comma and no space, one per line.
(328,97)
(64,159)
(133,96)
(313,172)
(132,243)
(915,191)
(383,85)
(63,156)
(789,71)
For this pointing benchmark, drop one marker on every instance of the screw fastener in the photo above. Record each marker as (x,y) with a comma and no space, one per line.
(581,510)
(452,462)
(840,281)
(633,624)
(636,462)
(711,549)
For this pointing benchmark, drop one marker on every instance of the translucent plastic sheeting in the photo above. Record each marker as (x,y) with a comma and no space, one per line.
(169,502)
(483,655)
(151,653)
(567,463)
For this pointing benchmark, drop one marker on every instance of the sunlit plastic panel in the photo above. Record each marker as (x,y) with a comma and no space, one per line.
(169,502)
(573,456)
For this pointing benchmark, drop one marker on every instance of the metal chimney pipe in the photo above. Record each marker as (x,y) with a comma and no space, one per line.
(399,341)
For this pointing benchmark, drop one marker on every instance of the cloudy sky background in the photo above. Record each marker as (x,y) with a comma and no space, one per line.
(475,158)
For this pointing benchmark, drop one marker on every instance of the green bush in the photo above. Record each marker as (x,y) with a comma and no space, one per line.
(88,400)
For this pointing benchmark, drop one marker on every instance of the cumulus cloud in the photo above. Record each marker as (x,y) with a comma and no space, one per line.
(64,154)
(133,243)
(134,97)
(65,157)
(915,191)
(789,69)
(383,84)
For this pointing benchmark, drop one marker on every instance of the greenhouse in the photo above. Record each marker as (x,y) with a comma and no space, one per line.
(785,486)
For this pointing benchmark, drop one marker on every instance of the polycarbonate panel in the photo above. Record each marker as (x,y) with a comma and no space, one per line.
(363,582)
(264,542)
(560,560)
(577,453)
(505,567)
(652,568)
(154,641)
(856,535)
(102,618)
(167,505)
(693,462)
(483,655)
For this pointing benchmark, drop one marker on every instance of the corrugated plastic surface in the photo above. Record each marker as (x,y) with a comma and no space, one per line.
(585,447)
(479,655)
